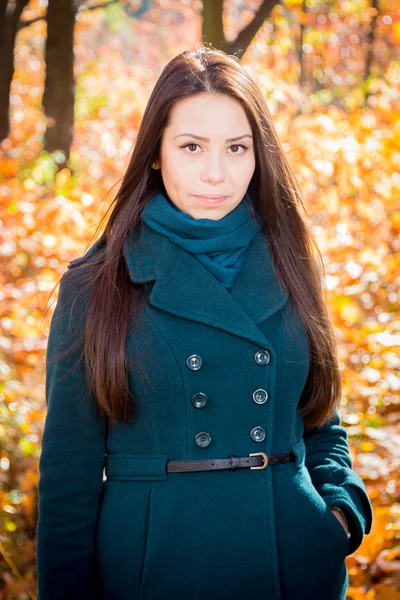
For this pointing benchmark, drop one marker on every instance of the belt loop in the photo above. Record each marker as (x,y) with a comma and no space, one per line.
(234,463)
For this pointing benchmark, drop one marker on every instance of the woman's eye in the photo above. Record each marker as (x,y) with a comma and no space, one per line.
(233,146)
(190,144)
(239,146)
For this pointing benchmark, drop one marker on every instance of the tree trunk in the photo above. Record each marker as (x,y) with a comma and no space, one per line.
(59,92)
(370,50)
(10,13)
(213,32)
(302,76)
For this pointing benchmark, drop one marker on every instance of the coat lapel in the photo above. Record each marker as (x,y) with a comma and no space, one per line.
(183,287)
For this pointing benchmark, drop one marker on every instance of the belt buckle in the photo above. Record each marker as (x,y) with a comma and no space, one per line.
(265,457)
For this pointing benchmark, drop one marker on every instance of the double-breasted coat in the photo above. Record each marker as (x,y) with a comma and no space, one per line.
(225,373)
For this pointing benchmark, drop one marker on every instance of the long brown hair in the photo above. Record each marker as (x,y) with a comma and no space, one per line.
(116,301)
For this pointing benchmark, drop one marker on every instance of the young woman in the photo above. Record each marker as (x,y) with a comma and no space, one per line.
(192,446)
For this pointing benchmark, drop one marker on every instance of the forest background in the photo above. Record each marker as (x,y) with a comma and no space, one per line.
(74,80)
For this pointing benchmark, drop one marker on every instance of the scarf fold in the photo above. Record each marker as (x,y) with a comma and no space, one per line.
(220,245)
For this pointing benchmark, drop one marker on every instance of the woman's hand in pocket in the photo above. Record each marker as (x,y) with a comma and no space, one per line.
(340,518)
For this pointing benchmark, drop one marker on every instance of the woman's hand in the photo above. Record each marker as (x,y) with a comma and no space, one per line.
(339,516)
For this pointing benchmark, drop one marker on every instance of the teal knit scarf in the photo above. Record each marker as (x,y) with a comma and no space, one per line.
(220,245)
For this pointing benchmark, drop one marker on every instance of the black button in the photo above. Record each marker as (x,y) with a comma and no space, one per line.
(262,357)
(257,434)
(199,400)
(194,362)
(203,439)
(260,396)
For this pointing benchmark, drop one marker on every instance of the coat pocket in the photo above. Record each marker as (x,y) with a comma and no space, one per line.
(146,543)
(342,530)
(121,538)
(311,549)
(299,450)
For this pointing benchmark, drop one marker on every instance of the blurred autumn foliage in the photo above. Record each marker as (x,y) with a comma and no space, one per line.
(341,133)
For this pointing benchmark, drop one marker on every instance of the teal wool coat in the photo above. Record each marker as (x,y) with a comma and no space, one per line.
(114,525)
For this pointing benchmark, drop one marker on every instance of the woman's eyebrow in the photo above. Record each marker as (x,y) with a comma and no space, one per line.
(204,139)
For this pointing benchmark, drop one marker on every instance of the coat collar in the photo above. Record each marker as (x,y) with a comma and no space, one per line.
(184,288)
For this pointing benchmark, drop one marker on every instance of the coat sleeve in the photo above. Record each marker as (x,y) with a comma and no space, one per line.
(329,463)
(70,465)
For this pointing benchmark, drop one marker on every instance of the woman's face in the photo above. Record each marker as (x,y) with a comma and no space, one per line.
(211,163)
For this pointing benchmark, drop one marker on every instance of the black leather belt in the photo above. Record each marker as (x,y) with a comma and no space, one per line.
(145,467)
(256,460)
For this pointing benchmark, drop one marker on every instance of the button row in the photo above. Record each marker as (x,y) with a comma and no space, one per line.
(199,400)
(194,361)
(203,439)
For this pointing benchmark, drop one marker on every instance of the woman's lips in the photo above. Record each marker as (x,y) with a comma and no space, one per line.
(211,200)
